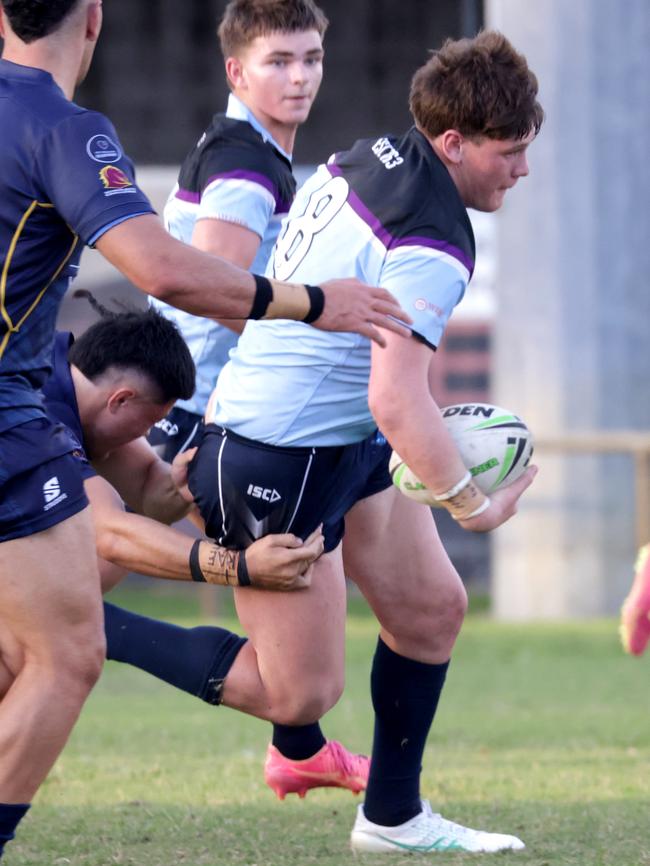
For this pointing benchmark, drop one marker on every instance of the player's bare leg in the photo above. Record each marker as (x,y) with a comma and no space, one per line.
(291,670)
(50,603)
(393,551)
(394,554)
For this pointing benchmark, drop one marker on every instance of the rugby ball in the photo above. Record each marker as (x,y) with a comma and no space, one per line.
(494,444)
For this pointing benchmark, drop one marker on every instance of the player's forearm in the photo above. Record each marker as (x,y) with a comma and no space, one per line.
(142,545)
(413,425)
(198,282)
(160,499)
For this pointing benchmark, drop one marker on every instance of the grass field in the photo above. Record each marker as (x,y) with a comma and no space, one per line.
(543,731)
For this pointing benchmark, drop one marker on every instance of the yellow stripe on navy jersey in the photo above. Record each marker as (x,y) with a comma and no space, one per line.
(63,179)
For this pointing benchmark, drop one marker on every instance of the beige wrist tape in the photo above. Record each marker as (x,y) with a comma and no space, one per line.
(464,500)
(290,301)
(210,563)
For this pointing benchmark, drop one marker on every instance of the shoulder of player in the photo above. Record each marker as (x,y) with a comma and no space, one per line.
(45,114)
(70,122)
(232,148)
(423,200)
(230,138)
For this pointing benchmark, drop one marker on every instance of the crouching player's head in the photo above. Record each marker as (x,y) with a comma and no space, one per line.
(128,370)
(476,101)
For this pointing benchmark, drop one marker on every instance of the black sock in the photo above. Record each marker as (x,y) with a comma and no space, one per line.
(298,742)
(405,695)
(11,814)
(195,660)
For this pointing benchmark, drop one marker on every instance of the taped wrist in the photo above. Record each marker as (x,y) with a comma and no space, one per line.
(210,563)
(464,500)
(275,300)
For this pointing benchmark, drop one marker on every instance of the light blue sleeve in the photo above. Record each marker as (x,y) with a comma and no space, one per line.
(428,285)
(240,201)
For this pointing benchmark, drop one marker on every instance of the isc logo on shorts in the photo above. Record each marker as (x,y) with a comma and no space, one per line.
(167,427)
(52,493)
(264,493)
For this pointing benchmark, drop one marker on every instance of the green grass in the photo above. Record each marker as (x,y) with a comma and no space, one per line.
(543,731)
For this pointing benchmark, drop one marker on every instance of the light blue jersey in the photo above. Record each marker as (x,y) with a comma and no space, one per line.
(388,213)
(239,174)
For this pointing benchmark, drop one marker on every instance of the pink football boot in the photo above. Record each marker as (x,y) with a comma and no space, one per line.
(331,767)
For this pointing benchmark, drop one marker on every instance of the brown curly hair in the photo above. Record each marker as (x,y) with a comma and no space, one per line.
(479,87)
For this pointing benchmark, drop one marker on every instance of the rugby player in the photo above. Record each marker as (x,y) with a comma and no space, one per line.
(108,387)
(234,188)
(236,183)
(65,182)
(296,412)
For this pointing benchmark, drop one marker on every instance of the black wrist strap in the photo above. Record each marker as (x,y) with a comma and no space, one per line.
(243,577)
(195,568)
(263,297)
(316,303)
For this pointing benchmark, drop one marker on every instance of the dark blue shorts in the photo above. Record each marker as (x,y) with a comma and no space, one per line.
(40,478)
(175,433)
(246,489)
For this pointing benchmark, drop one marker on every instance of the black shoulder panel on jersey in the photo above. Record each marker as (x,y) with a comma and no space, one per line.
(232,148)
(403,190)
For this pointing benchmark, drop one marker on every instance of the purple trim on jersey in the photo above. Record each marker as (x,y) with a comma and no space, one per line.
(443,246)
(186,195)
(392,242)
(281,206)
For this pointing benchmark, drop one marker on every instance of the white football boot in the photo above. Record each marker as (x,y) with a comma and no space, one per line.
(427,833)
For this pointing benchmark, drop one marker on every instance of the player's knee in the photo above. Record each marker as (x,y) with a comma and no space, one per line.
(82,669)
(305,706)
(433,617)
(74,659)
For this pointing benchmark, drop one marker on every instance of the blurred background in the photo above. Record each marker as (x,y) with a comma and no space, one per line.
(555,323)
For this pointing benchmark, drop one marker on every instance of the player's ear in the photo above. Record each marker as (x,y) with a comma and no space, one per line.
(2,22)
(119,398)
(94,17)
(451,143)
(235,71)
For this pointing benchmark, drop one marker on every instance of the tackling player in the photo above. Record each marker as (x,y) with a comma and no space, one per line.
(65,182)
(236,183)
(108,387)
(296,413)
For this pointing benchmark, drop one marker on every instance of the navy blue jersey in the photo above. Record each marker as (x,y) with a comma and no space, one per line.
(64,181)
(61,400)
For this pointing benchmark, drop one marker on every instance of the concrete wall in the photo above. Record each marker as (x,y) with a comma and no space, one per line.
(572,347)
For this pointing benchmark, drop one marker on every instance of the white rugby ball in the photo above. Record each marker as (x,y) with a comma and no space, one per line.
(494,443)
